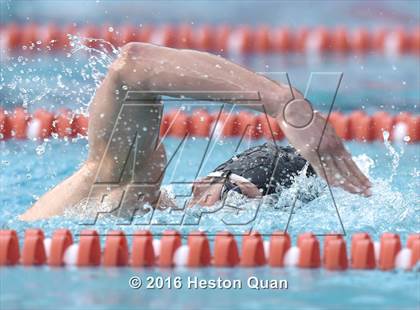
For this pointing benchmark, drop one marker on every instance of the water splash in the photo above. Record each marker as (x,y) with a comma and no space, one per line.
(23,80)
(100,55)
(387,210)
(394,154)
(45,80)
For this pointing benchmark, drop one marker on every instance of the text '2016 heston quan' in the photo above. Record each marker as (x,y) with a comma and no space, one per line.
(252,283)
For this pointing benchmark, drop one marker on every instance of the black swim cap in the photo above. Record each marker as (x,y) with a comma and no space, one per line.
(267,166)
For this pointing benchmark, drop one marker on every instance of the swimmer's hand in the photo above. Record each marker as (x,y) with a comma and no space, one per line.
(321,146)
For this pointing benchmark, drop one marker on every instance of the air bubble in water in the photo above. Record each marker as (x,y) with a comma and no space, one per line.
(40,149)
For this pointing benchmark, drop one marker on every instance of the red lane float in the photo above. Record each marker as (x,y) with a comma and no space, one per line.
(200,123)
(63,124)
(240,39)
(227,124)
(269,127)
(170,242)
(263,41)
(247,125)
(197,252)
(381,121)
(413,243)
(279,245)
(33,252)
(335,253)
(318,40)
(309,251)
(360,126)
(185,37)
(89,253)
(143,254)
(116,249)
(283,41)
(340,123)
(205,38)
(225,250)
(362,252)
(165,35)
(61,240)
(361,40)
(340,41)
(80,125)
(5,125)
(300,44)
(178,124)
(41,125)
(252,250)
(19,123)
(9,248)
(390,246)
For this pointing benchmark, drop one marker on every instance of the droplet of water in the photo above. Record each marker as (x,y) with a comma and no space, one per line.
(40,149)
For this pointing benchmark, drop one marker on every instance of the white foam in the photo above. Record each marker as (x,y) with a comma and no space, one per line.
(392,44)
(33,130)
(156,247)
(313,43)
(47,246)
(403,259)
(157,37)
(266,248)
(291,258)
(400,131)
(235,42)
(377,248)
(181,255)
(70,255)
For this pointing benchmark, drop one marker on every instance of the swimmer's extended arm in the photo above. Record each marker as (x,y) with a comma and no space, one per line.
(168,71)
(160,70)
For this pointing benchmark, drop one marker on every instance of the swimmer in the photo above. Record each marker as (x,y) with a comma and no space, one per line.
(158,71)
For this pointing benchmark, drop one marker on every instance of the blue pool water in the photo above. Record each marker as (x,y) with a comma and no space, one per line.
(108,289)
(372,83)
(30,168)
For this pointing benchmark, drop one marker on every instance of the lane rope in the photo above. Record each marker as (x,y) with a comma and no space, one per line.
(31,37)
(169,251)
(19,125)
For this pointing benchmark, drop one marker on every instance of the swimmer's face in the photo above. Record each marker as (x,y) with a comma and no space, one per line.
(206,191)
